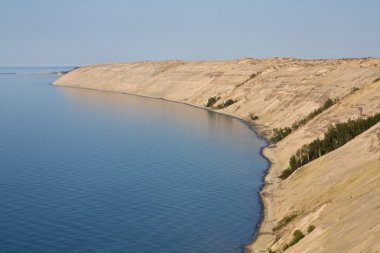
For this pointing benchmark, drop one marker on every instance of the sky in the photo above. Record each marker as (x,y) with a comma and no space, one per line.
(79,32)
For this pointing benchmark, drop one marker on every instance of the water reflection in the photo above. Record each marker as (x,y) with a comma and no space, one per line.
(91,171)
(196,121)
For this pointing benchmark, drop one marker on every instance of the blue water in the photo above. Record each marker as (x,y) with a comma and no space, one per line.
(91,171)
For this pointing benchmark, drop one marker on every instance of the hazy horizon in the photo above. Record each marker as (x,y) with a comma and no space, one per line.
(232,59)
(47,33)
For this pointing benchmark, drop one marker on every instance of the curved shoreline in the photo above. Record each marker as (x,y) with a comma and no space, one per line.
(263,207)
(280,91)
(249,125)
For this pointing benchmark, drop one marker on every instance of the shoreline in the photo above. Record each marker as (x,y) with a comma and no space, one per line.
(263,235)
(279,92)
(262,200)
(263,205)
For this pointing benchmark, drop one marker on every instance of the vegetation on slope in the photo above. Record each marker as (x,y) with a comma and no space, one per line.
(282,223)
(211,101)
(327,104)
(297,236)
(310,229)
(334,138)
(226,103)
(253,116)
(281,133)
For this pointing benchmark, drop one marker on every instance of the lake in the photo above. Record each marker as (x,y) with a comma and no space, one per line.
(92,171)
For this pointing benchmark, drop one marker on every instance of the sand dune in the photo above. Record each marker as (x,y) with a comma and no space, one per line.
(339,193)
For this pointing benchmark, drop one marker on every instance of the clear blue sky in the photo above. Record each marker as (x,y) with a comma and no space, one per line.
(77,32)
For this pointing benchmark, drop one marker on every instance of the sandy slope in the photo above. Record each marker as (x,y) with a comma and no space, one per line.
(340,192)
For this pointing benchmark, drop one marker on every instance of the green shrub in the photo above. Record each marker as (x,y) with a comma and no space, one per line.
(376,80)
(211,101)
(229,102)
(327,104)
(226,103)
(334,138)
(310,228)
(286,173)
(282,223)
(253,117)
(271,251)
(278,237)
(297,236)
(281,133)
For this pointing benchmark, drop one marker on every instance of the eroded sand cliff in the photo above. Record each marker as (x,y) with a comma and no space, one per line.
(338,193)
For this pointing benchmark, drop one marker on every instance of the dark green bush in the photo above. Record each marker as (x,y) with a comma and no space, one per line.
(280,133)
(282,223)
(253,117)
(376,80)
(297,236)
(227,103)
(211,101)
(334,138)
(310,228)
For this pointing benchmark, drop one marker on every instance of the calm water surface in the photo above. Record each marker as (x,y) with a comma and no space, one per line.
(91,171)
